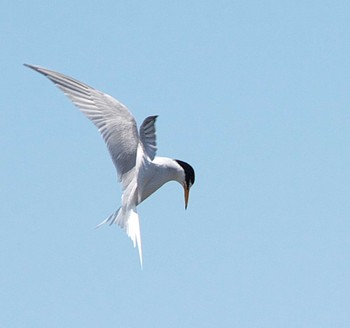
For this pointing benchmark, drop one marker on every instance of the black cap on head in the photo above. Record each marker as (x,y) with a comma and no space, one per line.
(189,172)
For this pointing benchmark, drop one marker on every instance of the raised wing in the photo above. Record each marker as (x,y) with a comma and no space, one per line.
(112,118)
(148,136)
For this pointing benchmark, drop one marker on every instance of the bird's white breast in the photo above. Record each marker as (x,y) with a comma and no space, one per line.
(157,173)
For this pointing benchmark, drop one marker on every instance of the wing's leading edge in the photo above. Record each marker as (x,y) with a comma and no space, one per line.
(115,123)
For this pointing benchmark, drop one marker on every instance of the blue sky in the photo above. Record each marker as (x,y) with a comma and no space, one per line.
(254,94)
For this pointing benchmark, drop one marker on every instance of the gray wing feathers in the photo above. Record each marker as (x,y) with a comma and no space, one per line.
(148,136)
(112,118)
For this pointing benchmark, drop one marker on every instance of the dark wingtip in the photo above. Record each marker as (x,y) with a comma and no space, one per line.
(35,68)
(30,66)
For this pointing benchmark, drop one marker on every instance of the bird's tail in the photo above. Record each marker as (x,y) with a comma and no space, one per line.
(130,223)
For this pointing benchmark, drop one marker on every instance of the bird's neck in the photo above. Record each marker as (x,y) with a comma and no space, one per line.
(169,169)
(162,170)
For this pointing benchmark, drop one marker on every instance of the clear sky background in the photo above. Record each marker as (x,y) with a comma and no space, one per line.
(254,94)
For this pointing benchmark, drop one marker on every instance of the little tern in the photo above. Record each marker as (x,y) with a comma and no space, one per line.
(133,153)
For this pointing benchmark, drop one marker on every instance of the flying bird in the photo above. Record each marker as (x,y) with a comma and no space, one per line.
(133,152)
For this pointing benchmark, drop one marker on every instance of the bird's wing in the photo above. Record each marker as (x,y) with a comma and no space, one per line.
(148,136)
(112,118)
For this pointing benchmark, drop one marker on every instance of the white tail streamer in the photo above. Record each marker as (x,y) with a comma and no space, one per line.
(129,221)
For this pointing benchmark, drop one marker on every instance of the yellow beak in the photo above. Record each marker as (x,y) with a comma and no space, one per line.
(187,193)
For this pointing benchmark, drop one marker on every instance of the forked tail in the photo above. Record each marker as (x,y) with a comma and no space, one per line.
(132,228)
(129,221)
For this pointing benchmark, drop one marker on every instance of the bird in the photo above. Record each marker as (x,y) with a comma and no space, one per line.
(133,151)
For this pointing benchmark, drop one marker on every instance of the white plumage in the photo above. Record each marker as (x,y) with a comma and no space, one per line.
(140,172)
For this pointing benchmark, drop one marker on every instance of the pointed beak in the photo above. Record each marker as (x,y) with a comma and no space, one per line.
(187,193)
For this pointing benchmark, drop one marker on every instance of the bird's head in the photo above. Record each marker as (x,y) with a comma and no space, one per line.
(188,179)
